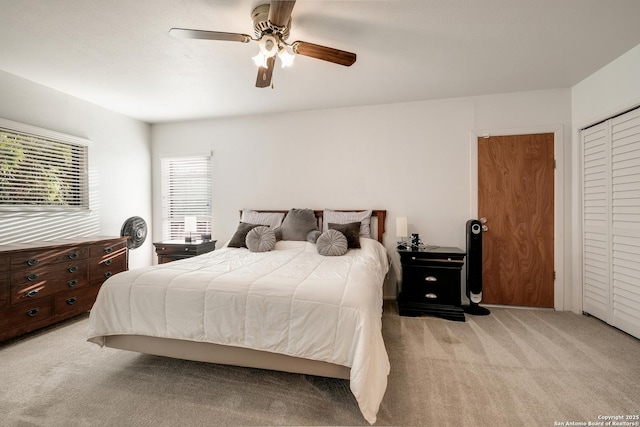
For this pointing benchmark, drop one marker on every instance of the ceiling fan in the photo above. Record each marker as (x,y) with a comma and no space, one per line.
(271,25)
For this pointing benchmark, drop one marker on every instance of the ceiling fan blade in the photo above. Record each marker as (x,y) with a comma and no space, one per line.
(325,53)
(185,33)
(280,12)
(264,74)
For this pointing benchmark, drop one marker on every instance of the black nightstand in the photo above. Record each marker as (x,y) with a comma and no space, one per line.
(177,249)
(431,282)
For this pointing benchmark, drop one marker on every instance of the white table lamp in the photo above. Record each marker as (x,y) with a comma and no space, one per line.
(190,226)
(402,231)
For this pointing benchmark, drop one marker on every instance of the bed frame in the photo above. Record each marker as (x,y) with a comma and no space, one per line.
(239,356)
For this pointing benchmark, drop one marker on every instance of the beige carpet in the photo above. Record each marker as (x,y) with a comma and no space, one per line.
(515,367)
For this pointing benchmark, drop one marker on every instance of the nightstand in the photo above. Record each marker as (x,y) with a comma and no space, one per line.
(177,249)
(431,282)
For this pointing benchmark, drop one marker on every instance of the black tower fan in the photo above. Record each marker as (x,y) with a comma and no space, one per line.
(474,268)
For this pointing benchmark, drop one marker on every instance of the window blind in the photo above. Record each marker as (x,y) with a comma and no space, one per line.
(38,172)
(186,191)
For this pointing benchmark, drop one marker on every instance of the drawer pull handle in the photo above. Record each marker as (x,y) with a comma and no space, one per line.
(186,249)
(72,283)
(33,261)
(72,269)
(73,255)
(32,293)
(32,277)
(108,262)
(431,279)
(108,274)
(33,312)
(431,296)
(108,250)
(72,300)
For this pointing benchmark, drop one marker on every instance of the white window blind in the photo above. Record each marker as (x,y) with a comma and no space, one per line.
(42,172)
(186,191)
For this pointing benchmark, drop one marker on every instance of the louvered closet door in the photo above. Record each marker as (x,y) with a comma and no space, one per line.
(625,206)
(596,214)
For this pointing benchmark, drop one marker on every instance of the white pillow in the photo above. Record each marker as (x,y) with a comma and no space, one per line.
(272,219)
(335,217)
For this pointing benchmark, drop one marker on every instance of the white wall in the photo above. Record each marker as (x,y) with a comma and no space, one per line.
(119,162)
(412,159)
(611,90)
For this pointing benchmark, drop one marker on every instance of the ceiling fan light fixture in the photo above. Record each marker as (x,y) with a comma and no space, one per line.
(286,55)
(269,45)
(260,60)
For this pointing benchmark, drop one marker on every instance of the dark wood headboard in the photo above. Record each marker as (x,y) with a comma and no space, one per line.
(380,215)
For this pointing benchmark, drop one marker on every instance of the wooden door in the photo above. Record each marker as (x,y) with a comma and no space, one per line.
(515,195)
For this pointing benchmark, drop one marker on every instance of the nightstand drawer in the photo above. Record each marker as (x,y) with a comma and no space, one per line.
(427,260)
(185,249)
(431,285)
(174,250)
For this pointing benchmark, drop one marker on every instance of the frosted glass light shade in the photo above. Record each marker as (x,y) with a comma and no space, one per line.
(401,227)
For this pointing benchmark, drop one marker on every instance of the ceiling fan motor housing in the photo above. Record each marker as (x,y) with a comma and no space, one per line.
(261,25)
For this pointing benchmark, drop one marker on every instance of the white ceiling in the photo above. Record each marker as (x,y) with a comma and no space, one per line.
(118,53)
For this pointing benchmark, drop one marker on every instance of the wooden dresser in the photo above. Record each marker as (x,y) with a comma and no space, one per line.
(42,283)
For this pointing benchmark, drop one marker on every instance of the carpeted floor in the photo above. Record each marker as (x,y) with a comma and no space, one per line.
(516,367)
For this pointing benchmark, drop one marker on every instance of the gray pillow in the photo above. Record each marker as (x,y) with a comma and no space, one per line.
(297,224)
(332,243)
(261,239)
(351,231)
(238,239)
(337,217)
(313,235)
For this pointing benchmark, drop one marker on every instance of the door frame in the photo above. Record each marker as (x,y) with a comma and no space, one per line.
(559,291)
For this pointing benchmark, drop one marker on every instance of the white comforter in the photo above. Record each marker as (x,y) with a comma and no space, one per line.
(290,300)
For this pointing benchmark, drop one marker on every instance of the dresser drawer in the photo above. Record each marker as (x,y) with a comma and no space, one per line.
(431,285)
(24,315)
(77,300)
(103,268)
(4,289)
(44,257)
(39,282)
(108,249)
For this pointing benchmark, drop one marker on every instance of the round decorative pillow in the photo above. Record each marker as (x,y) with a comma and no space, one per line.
(332,243)
(261,239)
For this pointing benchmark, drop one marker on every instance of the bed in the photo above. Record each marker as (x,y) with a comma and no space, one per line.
(288,309)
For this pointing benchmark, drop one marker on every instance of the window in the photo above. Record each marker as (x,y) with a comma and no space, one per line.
(186,191)
(41,169)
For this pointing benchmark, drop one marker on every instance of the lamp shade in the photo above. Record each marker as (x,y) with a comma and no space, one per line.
(401,227)
(190,224)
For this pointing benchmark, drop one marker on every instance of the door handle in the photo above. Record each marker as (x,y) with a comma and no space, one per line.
(483,221)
